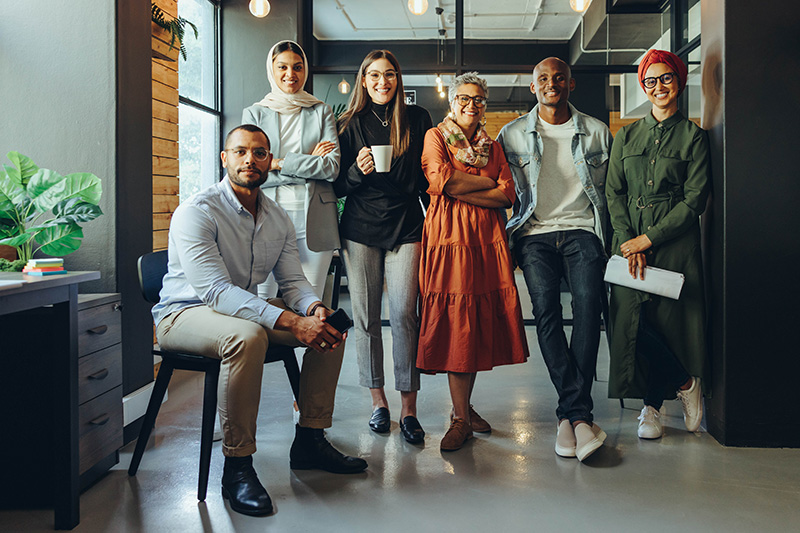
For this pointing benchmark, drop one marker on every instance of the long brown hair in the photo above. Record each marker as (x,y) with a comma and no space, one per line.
(360,101)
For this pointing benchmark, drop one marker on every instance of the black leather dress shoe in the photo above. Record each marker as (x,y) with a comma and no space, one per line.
(380,421)
(311,450)
(240,486)
(411,430)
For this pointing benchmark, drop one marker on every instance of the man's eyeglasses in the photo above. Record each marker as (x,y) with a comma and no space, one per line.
(375,75)
(665,79)
(259,154)
(463,99)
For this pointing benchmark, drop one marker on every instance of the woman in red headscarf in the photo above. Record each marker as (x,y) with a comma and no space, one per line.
(657,185)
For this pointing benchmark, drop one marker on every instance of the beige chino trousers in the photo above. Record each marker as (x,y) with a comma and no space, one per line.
(242,345)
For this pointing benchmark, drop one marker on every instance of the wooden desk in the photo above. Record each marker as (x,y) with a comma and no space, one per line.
(60,291)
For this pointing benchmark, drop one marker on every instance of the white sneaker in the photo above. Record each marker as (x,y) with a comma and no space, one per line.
(565,439)
(650,426)
(588,440)
(692,400)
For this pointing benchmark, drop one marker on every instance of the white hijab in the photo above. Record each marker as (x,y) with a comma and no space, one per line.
(283,102)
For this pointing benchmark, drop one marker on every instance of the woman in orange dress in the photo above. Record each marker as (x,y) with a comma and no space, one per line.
(470,314)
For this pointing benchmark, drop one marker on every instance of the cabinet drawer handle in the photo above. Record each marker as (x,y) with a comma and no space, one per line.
(99,330)
(100,420)
(100,374)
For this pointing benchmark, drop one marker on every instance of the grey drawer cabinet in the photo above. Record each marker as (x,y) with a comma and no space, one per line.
(99,382)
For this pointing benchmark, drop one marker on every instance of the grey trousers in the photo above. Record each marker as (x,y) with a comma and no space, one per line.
(367,267)
(242,344)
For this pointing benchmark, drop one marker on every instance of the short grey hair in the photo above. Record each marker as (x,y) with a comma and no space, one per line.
(468,78)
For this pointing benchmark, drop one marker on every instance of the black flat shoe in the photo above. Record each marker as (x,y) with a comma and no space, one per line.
(411,430)
(240,486)
(380,421)
(311,450)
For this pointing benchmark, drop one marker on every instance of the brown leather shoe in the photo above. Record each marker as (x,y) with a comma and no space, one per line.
(459,433)
(479,425)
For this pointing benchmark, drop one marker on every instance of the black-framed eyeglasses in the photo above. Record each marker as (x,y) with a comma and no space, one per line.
(666,79)
(259,154)
(375,75)
(463,99)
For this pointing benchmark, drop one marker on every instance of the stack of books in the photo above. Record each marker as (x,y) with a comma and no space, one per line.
(44,267)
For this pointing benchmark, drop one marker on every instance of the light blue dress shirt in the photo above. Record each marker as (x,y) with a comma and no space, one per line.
(218,254)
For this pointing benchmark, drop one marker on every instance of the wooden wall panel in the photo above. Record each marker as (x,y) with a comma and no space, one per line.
(496,120)
(165,203)
(161,220)
(166,185)
(164,111)
(166,167)
(165,148)
(164,130)
(164,93)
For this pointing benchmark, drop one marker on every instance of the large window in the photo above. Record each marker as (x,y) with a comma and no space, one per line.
(199,108)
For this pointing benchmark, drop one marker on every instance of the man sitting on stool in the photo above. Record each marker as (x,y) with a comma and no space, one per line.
(223,242)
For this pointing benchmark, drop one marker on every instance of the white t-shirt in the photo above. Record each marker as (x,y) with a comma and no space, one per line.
(561,203)
(291,197)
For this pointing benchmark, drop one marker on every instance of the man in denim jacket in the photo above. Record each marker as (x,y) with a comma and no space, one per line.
(558,229)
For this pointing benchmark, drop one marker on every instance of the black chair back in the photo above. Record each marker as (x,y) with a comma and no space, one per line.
(152,268)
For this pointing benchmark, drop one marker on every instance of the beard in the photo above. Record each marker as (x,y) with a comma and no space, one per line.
(237,177)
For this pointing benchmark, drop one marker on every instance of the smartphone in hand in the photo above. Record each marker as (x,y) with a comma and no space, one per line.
(339,320)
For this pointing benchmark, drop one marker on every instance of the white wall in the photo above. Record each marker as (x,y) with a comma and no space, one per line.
(57,104)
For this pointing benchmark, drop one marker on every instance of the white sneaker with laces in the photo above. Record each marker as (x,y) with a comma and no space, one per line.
(650,426)
(692,400)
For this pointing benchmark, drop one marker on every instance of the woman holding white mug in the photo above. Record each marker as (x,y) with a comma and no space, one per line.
(381,230)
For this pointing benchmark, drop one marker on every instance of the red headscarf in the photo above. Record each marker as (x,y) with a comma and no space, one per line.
(662,56)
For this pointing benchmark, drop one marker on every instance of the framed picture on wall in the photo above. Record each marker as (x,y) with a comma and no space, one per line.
(411,97)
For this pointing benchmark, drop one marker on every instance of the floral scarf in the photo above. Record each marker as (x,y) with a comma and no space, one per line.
(475,154)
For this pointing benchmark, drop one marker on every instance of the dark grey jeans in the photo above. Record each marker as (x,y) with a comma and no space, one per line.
(578,257)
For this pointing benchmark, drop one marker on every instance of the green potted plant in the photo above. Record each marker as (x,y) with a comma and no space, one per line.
(175,26)
(41,210)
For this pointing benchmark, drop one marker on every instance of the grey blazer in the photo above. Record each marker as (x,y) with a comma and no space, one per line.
(317,173)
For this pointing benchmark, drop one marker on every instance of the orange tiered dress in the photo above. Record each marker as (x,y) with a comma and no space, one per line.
(470,313)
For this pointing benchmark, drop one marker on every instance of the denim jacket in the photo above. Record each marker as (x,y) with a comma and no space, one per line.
(591,146)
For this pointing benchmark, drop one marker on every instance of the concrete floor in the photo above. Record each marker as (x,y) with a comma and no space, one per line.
(510,479)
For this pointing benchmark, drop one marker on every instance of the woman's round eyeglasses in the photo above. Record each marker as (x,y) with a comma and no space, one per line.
(665,79)
(463,99)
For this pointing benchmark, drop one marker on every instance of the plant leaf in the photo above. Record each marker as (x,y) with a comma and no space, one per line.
(23,168)
(19,240)
(40,182)
(83,185)
(60,240)
(11,193)
(74,210)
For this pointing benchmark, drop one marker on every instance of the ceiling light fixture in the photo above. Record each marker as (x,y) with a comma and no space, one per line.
(441,94)
(259,8)
(418,7)
(579,6)
(344,87)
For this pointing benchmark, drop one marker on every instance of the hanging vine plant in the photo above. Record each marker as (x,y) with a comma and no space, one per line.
(175,26)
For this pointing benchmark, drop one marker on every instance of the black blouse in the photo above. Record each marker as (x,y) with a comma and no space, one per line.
(382,208)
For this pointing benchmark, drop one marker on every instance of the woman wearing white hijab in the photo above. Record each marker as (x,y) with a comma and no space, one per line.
(305,148)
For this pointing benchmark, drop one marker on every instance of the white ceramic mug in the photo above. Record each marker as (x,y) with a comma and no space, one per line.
(382,155)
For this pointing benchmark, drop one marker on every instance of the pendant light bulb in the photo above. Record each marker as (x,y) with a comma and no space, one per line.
(259,8)
(344,87)
(418,7)
(579,6)
(441,94)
